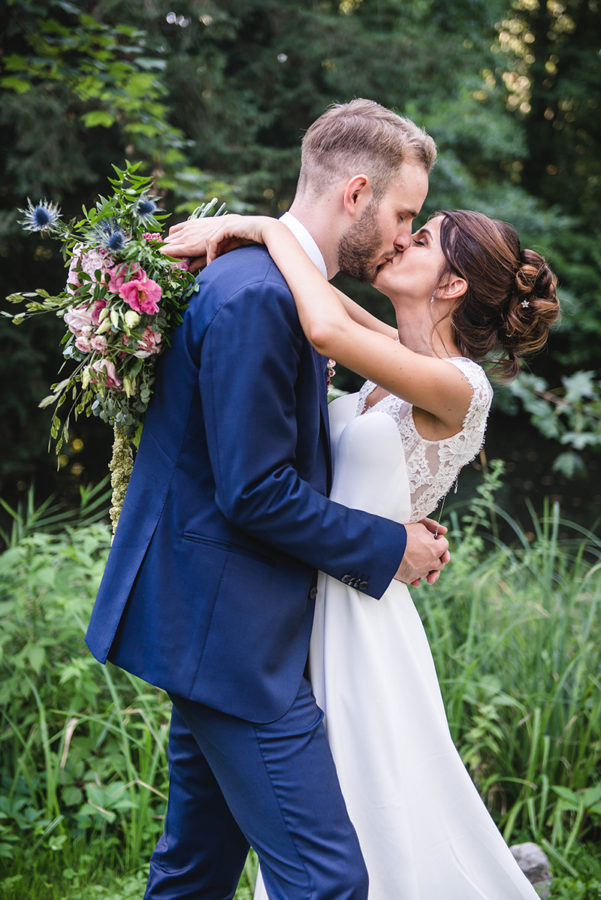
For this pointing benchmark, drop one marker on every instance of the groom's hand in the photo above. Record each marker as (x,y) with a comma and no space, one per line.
(426,553)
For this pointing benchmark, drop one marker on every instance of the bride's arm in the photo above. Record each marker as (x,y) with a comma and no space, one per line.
(428,383)
(365,318)
(190,239)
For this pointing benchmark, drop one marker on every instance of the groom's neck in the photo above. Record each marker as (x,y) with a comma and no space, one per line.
(320,221)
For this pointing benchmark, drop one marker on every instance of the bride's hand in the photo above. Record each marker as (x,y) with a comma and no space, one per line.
(236,231)
(189,240)
(203,240)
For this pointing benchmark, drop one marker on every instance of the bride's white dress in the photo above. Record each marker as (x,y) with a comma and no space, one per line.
(423,829)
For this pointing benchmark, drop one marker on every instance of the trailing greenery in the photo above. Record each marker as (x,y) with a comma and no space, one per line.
(515,630)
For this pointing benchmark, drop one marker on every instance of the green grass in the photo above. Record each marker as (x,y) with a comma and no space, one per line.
(515,629)
(516,641)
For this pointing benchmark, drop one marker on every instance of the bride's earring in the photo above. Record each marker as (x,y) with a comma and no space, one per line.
(432,298)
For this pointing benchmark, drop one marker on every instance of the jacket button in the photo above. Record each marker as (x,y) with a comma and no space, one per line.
(363,585)
(313,593)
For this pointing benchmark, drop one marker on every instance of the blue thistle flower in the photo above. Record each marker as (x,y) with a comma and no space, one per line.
(111,237)
(115,241)
(43,216)
(145,208)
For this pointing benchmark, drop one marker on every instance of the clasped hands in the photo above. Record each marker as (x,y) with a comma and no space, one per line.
(426,553)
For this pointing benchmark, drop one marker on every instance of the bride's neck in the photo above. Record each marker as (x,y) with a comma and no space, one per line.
(424,333)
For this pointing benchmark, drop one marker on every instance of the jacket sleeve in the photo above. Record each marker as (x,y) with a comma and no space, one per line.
(250,359)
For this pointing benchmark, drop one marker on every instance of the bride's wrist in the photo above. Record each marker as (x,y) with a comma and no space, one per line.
(270,229)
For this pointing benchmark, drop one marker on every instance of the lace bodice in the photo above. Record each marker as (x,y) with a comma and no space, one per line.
(433,466)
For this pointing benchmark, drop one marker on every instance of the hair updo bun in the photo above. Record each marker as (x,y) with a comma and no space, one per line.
(510,301)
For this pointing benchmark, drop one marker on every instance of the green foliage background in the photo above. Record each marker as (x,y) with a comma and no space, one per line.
(213,98)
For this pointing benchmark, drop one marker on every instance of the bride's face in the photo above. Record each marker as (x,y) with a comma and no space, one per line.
(415,274)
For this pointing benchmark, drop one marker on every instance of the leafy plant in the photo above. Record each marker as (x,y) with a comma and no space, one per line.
(83,746)
(514,628)
(570,415)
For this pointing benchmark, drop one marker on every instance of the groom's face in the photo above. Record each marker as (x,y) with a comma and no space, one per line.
(384,228)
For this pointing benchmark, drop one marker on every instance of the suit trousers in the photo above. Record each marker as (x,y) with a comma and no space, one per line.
(235,784)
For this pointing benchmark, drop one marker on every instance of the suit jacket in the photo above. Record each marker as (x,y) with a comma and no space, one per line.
(209,586)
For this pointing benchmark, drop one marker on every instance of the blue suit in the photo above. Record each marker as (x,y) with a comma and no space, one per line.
(209,586)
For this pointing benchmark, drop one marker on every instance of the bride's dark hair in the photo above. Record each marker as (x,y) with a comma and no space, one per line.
(510,300)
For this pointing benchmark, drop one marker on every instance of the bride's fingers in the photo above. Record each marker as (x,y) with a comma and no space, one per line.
(175,229)
(189,242)
(219,242)
(212,250)
(180,249)
(434,575)
(174,243)
(435,527)
(184,232)
(191,233)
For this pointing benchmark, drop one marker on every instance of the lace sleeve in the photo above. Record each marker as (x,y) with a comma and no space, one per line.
(433,466)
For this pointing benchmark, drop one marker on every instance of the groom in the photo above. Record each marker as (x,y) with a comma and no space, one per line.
(209,587)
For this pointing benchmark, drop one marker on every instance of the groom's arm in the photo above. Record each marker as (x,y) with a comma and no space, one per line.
(250,363)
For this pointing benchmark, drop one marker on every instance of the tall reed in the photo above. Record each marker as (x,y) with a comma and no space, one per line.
(515,629)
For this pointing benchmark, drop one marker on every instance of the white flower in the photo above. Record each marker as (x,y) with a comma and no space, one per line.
(131,318)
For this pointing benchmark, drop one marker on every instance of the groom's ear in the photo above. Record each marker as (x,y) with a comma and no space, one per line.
(357,194)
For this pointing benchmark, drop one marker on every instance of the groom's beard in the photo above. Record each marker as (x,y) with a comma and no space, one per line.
(359,247)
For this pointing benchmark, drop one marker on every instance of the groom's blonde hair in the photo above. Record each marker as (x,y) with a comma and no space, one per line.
(361,136)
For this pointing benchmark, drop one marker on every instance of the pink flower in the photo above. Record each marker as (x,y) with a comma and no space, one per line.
(73,281)
(77,319)
(148,343)
(151,236)
(119,275)
(82,341)
(142,294)
(108,367)
(183,263)
(98,343)
(95,310)
(89,261)
(93,261)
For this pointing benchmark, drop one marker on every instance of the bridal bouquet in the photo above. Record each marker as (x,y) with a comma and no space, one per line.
(120,304)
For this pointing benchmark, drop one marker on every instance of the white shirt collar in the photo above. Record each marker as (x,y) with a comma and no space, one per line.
(306,241)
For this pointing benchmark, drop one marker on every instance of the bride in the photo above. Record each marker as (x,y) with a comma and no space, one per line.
(463,291)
